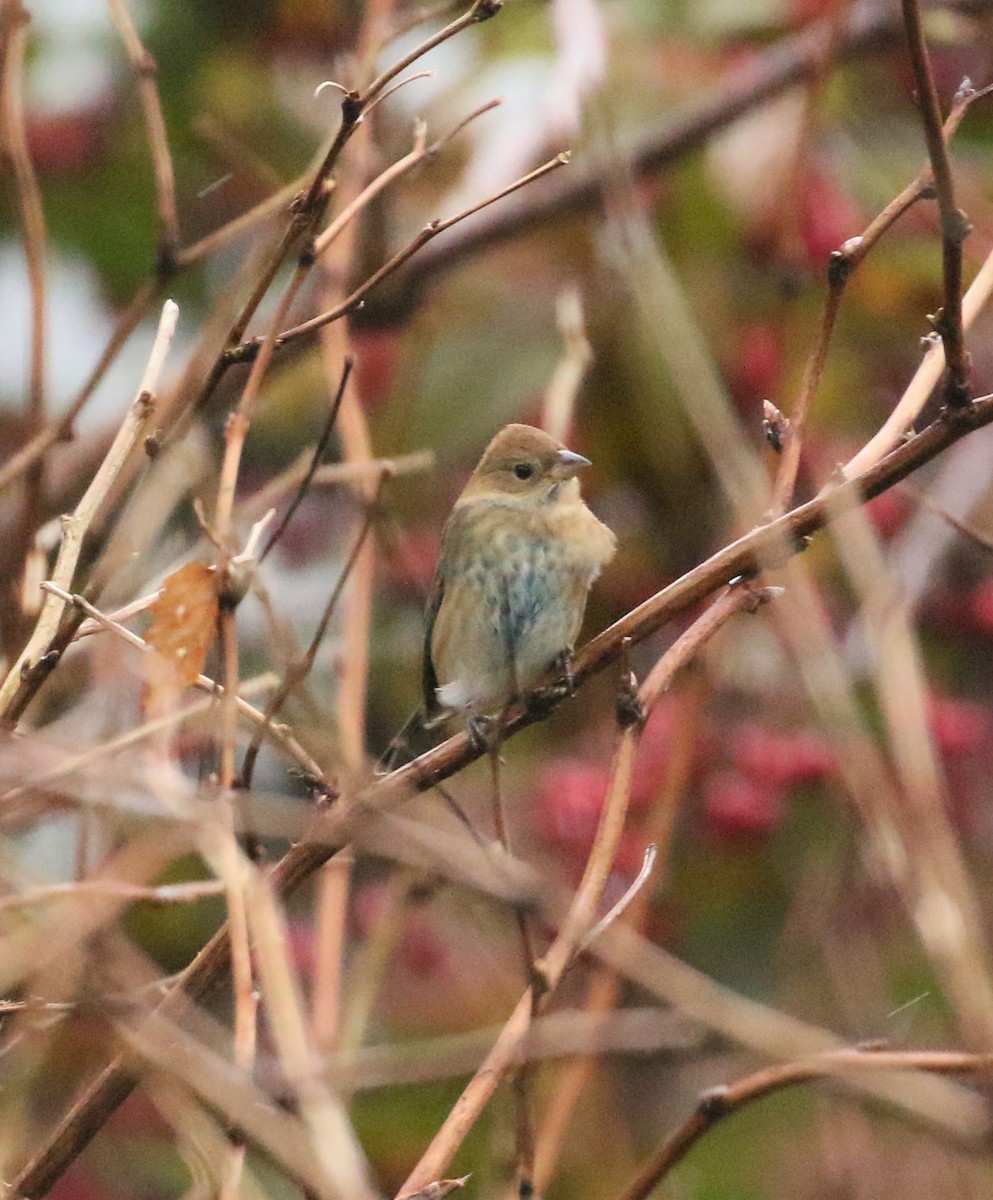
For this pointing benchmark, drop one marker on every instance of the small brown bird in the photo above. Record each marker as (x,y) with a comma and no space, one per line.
(518,556)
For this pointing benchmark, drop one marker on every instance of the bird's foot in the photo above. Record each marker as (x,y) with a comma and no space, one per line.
(482,731)
(541,701)
(563,668)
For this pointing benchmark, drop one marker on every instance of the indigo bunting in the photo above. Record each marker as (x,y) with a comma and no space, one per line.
(518,556)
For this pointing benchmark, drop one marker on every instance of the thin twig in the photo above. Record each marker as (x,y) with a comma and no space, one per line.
(966,528)
(916,395)
(844,261)
(354,104)
(625,902)
(522,1079)
(239,421)
(606,988)
(954,223)
(237,227)
(420,152)
(721,1102)
(15,144)
(481,10)
(559,401)
(169,893)
(75,527)
(247,351)
(145,71)
(315,462)
(75,764)
(353,474)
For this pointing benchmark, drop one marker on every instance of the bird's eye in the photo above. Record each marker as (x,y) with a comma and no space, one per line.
(523,470)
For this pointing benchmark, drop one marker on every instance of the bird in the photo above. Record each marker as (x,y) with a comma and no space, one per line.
(519,554)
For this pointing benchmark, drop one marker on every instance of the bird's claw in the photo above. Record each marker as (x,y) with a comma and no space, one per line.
(564,668)
(480,730)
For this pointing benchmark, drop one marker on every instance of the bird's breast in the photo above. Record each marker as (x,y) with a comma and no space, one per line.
(515,593)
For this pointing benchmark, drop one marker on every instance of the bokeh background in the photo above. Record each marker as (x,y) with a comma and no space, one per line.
(700,278)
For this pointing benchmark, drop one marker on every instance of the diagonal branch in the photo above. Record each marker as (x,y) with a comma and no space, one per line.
(720,1102)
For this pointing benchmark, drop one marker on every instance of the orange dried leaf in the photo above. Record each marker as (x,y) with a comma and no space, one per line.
(184,621)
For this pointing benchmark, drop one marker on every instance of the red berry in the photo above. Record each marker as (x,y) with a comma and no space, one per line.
(780,759)
(67,141)
(412,565)
(827,216)
(959,727)
(422,950)
(300,942)
(887,512)
(735,806)
(570,798)
(653,755)
(376,352)
(758,368)
(630,855)
(981,605)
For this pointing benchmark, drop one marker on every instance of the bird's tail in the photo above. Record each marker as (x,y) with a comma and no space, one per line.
(409,742)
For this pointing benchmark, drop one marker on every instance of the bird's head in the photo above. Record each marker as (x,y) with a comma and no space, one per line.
(524,461)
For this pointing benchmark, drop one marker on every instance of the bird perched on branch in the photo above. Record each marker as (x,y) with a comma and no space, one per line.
(518,555)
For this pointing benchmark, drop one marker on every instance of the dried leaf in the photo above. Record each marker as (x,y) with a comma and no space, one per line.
(184,621)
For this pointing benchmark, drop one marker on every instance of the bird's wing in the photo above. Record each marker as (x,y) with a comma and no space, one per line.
(429,678)
(449,563)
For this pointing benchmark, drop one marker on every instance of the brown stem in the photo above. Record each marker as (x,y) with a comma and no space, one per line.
(954,223)
(720,1102)
(145,69)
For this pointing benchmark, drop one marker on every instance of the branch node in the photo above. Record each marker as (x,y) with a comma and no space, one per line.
(351,108)
(714,1103)
(966,91)
(629,709)
(758,596)
(484,9)
(841,262)
(166,256)
(308,255)
(145,66)
(958,394)
(955,226)
(538,979)
(775,425)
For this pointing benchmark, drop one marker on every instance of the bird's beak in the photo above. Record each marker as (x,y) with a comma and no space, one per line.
(569,463)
